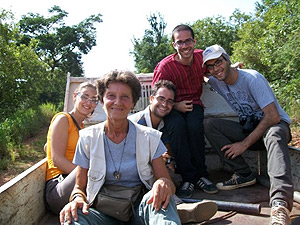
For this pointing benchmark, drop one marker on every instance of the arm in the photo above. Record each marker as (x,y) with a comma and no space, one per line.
(78,198)
(59,139)
(163,187)
(271,117)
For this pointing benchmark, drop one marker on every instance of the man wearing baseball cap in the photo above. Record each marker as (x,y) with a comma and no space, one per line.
(261,119)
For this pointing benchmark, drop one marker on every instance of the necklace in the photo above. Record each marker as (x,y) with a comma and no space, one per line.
(116,173)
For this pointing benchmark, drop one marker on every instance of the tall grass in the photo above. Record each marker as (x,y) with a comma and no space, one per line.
(21,126)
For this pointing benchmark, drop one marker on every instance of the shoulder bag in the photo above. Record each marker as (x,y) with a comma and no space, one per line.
(118,201)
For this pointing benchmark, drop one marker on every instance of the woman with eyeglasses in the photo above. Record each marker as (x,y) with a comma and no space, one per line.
(118,156)
(62,138)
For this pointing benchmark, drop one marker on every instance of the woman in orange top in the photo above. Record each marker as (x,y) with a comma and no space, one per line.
(62,138)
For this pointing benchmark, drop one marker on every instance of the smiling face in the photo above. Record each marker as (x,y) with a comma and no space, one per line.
(184,44)
(219,68)
(82,100)
(162,103)
(117,101)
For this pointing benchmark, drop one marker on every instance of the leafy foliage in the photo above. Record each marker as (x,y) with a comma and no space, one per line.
(270,43)
(153,47)
(22,73)
(36,54)
(60,45)
(288,96)
(210,31)
(23,124)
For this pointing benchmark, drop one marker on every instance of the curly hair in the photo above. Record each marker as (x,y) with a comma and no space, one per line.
(125,77)
(163,84)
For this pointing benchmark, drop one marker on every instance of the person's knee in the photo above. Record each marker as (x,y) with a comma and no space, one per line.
(208,124)
(276,134)
(195,126)
(176,124)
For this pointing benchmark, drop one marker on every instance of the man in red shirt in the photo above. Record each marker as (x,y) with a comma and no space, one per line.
(185,122)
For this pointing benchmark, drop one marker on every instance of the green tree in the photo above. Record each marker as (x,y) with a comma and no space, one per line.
(59,46)
(270,43)
(153,46)
(21,72)
(214,30)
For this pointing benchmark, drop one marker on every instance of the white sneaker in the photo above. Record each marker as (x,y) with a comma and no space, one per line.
(280,215)
(196,212)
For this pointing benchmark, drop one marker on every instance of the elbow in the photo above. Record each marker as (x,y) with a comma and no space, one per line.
(56,161)
(276,118)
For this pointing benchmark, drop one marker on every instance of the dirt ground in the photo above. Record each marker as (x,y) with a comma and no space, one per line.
(21,165)
(296,139)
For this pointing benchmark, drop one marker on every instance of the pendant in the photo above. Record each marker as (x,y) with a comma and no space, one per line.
(117,175)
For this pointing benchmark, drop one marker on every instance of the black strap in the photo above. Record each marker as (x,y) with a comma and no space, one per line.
(78,127)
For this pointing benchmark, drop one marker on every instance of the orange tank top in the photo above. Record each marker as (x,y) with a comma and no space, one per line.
(73,135)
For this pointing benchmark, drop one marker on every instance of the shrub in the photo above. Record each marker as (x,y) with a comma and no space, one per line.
(288,96)
(23,125)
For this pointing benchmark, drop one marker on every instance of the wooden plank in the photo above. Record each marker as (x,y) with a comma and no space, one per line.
(21,198)
(67,93)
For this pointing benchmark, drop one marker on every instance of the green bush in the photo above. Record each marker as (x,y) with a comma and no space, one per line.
(288,96)
(23,125)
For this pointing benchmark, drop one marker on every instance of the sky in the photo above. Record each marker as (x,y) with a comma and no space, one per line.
(124,20)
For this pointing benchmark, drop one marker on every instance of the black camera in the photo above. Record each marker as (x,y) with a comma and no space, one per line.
(249,122)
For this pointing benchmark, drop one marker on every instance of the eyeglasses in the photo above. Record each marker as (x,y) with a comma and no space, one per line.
(217,63)
(86,99)
(188,41)
(163,100)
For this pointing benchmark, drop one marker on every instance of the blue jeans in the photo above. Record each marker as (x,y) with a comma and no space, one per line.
(186,136)
(145,214)
(220,132)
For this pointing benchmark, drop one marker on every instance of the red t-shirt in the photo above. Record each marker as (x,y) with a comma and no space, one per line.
(187,79)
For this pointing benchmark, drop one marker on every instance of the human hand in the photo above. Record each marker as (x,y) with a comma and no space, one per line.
(161,193)
(184,106)
(233,150)
(169,161)
(70,210)
(238,65)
